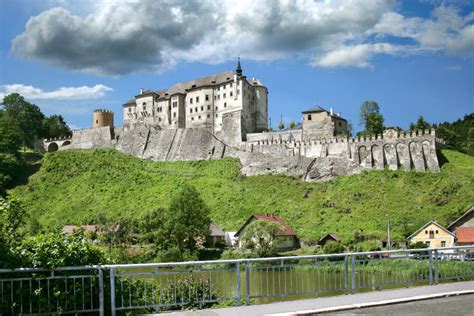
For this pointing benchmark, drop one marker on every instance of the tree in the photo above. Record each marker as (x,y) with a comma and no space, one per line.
(292,124)
(175,232)
(367,108)
(55,126)
(260,238)
(281,125)
(420,124)
(28,116)
(374,124)
(12,219)
(10,141)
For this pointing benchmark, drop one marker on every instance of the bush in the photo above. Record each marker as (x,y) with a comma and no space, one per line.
(333,247)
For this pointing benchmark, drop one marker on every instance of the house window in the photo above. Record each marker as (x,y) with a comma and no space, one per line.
(443,243)
(309,117)
(197,99)
(190,100)
(436,232)
(207,97)
(432,235)
(426,232)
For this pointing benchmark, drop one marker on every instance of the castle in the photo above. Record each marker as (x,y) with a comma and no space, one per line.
(226,115)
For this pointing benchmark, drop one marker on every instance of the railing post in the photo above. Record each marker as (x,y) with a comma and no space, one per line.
(112,291)
(431,266)
(247,283)
(237,280)
(353,261)
(436,274)
(346,274)
(101,292)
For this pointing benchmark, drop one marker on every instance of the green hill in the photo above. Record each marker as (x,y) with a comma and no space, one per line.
(75,186)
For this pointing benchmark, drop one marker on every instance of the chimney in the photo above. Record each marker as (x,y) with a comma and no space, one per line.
(141,91)
(339,114)
(331,111)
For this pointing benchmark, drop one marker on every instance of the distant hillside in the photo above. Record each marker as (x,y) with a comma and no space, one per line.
(75,186)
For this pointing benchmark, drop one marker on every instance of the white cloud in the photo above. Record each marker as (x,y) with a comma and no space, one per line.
(120,37)
(63,93)
(356,55)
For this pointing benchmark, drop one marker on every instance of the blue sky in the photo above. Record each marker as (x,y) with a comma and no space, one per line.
(412,57)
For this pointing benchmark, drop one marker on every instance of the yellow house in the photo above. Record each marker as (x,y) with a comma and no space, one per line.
(433,235)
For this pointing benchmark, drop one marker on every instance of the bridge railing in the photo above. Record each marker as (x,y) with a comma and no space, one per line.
(155,287)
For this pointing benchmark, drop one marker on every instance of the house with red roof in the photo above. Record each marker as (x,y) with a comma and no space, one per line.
(287,237)
(463,228)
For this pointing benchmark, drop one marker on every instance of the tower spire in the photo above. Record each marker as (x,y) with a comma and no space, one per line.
(238,70)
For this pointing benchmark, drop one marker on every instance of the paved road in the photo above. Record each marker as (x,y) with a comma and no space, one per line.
(296,307)
(455,305)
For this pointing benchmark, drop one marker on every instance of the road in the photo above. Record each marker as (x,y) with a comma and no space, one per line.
(455,305)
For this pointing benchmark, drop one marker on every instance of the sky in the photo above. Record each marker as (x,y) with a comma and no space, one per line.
(412,57)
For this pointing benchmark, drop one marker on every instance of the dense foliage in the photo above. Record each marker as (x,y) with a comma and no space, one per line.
(370,118)
(175,232)
(76,186)
(21,123)
(459,135)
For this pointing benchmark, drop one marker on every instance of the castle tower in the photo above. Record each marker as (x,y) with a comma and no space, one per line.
(103,118)
(238,70)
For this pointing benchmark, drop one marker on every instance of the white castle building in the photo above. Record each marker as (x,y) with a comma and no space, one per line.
(227,103)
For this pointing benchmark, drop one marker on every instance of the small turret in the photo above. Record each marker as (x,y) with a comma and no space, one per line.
(103,118)
(238,70)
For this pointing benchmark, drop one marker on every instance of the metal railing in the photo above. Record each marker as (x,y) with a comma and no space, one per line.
(155,287)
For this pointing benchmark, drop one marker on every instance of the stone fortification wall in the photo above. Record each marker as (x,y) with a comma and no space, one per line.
(287,135)
(89,138)
(408,151)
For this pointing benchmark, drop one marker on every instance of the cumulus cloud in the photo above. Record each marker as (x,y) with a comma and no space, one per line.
(119,37)
(356,55)
(63,93)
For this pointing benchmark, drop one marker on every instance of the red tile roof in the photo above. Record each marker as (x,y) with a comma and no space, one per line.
(288,231)
(465,234)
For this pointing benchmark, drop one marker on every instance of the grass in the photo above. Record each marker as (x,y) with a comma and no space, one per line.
(76,186)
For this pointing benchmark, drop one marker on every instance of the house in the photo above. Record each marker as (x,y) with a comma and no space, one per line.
(433,235)
(287,238)
(217,234)
(328,237)
(463,228)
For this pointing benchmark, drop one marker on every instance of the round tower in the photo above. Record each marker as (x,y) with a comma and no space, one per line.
(103,118)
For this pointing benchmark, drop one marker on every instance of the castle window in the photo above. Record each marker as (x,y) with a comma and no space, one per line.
(208,106)
(209,115)
(197,99)
(192,118)
(216,114)
(309,117)
(216,108)
(215,97)
(159,119)
(199,117)
(340,124)
(97,121)
(190,100)
(129,109)
(218,96)
(195,109)
(225,104)
(175,104)
(144,103)
(223,96)
(230,85)
(191,110)
(207,97)
(202,108)
(231,94)
(238,91)
(174,114)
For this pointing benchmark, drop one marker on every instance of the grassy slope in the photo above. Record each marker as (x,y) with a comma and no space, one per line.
(73,186)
